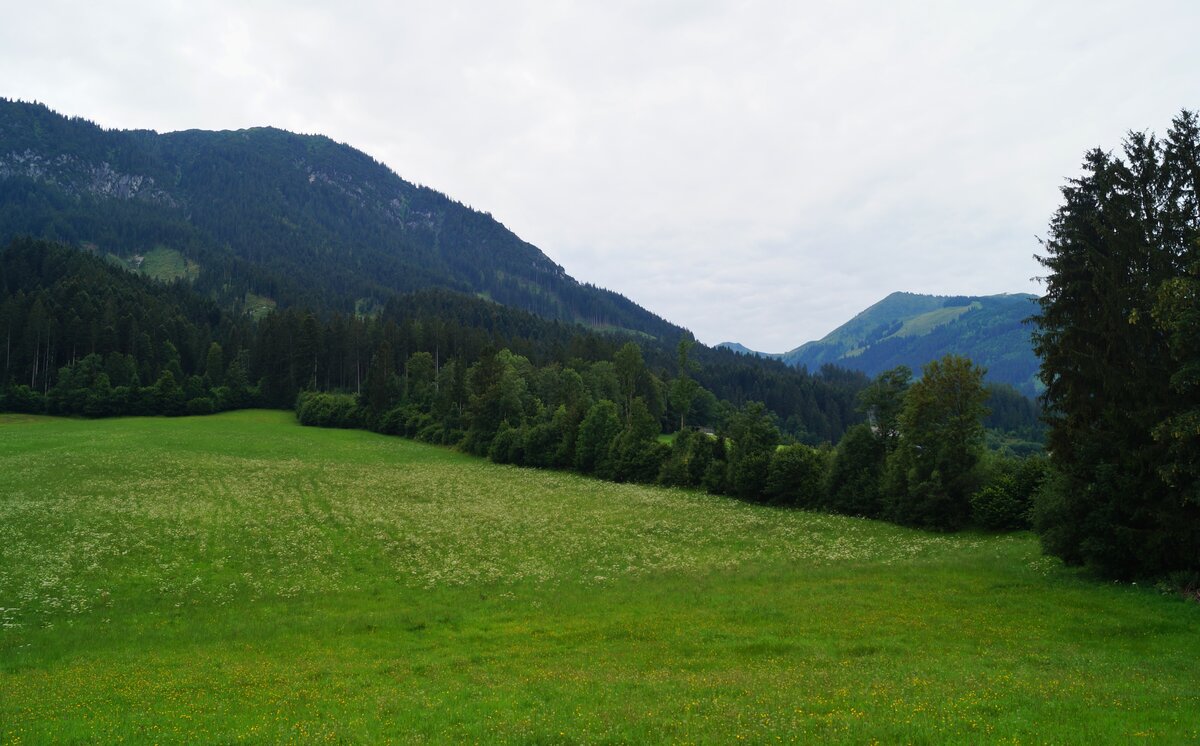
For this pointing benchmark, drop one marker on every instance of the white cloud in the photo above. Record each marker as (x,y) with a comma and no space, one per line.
(755,171)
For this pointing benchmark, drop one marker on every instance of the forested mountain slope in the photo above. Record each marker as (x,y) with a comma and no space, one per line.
(297,219)
(59,306)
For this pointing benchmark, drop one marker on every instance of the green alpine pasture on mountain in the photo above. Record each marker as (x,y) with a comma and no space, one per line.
(239,577)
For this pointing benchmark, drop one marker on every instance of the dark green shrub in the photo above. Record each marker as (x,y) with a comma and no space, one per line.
(748,475)
(507,447)
(716,477)
(200,405)
(21,398)
(998,507)
(329,410)
(541,444)
(796,476)
(1005,500)
(639,461)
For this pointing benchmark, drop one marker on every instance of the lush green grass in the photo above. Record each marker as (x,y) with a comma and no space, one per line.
(238,577)
(166,264)
(926,322)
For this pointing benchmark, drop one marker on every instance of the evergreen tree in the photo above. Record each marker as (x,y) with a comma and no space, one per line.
(166,396)
(484,411)
(883,402)
(214,365)
(754,438)
(237,390)
(684,390)
(596,435)
(637,455)
(420,377)
(855,473)
(1113,338)
(629,367)
(1178,313)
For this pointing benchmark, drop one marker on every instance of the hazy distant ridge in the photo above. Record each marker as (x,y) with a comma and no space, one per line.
(912,329)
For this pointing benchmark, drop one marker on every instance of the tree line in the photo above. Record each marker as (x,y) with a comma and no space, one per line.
(918,459)
(82,336)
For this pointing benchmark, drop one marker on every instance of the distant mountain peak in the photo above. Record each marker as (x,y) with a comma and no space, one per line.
(912,329)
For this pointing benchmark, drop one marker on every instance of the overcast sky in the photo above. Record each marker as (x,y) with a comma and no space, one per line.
(753,171)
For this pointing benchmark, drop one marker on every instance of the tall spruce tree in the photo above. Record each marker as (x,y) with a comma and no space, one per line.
(1116,249)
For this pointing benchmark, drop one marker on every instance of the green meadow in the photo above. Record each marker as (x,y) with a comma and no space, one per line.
(238,578)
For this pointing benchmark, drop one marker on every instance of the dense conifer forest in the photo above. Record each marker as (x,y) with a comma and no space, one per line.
(300,219)
(62,306)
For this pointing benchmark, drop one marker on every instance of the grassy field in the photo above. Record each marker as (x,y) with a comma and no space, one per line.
(927,322)
(166,264)
(239,578)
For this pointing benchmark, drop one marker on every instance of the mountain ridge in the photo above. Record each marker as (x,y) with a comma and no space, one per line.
(300,219)
(742,349)
(912,328)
